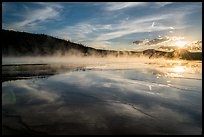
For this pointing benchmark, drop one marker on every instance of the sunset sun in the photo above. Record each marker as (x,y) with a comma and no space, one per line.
(180,44)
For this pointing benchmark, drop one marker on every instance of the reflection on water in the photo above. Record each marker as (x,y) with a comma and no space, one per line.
(120,98)
(179,69)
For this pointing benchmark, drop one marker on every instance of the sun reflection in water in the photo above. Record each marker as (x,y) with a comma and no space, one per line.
(176,71)
(179,69)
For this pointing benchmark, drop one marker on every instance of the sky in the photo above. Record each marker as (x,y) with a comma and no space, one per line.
(107,25)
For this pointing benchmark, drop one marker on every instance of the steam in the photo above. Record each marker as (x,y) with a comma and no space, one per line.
(77,60)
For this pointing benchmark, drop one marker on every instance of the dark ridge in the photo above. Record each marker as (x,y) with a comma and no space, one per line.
(18,44)
(23,65)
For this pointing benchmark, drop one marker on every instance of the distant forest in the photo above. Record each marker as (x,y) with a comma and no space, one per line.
(27,44)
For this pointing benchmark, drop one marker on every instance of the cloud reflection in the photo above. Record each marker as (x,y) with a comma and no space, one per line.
(109,101)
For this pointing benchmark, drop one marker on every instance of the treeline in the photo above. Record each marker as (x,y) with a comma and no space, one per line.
(27,44)
(23,43)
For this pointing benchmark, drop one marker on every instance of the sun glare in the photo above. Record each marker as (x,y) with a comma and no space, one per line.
(179,69)
(180,43)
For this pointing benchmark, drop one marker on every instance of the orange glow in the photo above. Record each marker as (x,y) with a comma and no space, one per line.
(180,43)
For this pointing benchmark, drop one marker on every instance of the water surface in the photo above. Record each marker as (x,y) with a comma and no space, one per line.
(108,98)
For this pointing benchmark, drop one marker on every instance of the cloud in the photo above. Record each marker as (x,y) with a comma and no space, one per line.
(113,6)
(153,23)
(138,42)
(101,44)
(33,91)
(161,4)
(32,18)
(153,41)
(171,32)
(104,26)
(140,25)
(157,40)
(165,42)
(165,21)
(78,32)
(93,33)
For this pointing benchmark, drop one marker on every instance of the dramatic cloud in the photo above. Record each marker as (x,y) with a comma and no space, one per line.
(103,23)
(158,40)
(152,42)
(140,25)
